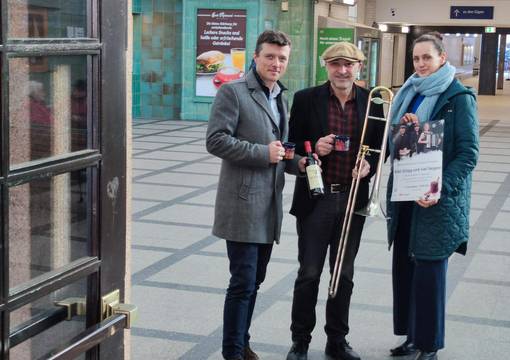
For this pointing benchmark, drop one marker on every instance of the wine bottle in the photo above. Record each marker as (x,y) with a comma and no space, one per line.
(313,173)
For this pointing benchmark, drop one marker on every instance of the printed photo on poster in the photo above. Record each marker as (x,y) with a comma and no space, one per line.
(417,160)
(221,49)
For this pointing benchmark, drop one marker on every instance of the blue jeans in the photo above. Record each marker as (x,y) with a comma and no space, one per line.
(248,264)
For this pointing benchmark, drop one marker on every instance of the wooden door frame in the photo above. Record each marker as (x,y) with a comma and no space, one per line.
(107,42)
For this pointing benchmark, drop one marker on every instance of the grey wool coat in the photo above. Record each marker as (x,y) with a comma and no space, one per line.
(249,198)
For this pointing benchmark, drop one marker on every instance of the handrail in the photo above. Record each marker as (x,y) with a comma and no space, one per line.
(36,326)
(89,338)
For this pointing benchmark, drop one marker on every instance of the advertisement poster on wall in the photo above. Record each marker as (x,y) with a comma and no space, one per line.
(221,49)
(326,38)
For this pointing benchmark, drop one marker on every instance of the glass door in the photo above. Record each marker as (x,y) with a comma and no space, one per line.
(374,62)
(369,75)
(59,173)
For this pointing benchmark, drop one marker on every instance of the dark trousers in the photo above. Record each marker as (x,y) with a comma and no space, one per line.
(248,264)
(316,232)
(419,292)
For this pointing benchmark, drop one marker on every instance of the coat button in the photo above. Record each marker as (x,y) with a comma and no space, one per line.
(274,131)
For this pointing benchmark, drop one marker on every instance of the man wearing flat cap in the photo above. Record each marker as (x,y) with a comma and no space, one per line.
(326,114)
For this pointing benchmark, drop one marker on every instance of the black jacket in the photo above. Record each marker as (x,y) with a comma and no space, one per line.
(309,121)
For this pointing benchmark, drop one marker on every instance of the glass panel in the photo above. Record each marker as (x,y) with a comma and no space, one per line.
(47,18)
(49,225)
(47,106)
(374,62)
(54,336)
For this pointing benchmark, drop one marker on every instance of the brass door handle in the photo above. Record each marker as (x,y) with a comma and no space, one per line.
(76,306)
(111,305)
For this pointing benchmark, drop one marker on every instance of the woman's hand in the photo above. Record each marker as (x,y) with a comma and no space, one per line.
(409,118)
(427,203)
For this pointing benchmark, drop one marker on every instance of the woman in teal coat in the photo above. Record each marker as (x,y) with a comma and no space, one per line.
(425,233)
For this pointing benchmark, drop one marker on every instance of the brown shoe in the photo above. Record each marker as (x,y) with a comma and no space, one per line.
(249,354)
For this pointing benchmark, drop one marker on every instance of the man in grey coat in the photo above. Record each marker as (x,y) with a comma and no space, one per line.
(247,125)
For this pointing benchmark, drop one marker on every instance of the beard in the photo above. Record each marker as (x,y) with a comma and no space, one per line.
(342,84)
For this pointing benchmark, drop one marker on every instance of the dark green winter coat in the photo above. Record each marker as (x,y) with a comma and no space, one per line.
(440,230)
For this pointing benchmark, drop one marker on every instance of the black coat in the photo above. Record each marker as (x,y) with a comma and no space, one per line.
(309,121)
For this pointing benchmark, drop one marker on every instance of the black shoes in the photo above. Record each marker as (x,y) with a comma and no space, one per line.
(407,348)
(298,351)
(341,350)
(424,355)
(249,354)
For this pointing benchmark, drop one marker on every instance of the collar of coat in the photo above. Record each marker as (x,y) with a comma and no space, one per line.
(455,88)
(253,79)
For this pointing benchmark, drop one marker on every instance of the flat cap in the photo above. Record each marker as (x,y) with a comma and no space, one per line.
(343,50)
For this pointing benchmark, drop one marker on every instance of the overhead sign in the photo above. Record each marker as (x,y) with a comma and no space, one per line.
(490,29)
(472,12)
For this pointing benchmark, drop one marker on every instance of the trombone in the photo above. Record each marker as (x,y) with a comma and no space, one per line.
(373,209)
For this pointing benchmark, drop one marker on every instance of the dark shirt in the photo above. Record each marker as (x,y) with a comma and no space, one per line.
(342,122)
(279,101)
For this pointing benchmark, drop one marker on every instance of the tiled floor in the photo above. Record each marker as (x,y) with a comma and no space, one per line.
(180,271)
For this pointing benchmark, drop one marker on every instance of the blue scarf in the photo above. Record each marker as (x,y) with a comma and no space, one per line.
(431,87)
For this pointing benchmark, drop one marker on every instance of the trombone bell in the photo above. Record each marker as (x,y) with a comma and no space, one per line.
(373,209)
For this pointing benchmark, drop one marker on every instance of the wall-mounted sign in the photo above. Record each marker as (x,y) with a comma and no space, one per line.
(471,12)
(325,38)
(221,48)
(490,29)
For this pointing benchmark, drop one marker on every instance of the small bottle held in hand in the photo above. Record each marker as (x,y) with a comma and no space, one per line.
(313,173)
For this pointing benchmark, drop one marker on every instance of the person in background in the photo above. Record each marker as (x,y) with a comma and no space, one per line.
(425,233)
(247,125)
(319,114)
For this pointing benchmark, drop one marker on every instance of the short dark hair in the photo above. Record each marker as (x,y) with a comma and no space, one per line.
(272,37)
(435,38)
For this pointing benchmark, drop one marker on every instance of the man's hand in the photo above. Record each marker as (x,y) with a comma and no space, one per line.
(276,152)
(364,170)
(324,145)
(302,162)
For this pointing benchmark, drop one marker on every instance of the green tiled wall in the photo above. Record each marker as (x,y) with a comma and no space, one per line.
(137,6)
(164,37)
(157,42)
(262,14)
(298,24)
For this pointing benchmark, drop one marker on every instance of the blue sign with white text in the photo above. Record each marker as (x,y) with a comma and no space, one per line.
(471,12)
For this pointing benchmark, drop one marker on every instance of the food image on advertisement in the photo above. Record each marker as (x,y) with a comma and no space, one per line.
(210,62)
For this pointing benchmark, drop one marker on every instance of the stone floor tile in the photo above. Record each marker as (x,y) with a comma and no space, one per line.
(185,214)
(496,241)
(159,192)
(177,178)
(163,309)
(140,259)
(166,236)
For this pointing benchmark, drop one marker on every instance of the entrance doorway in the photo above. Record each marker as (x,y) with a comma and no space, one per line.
(63,180)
